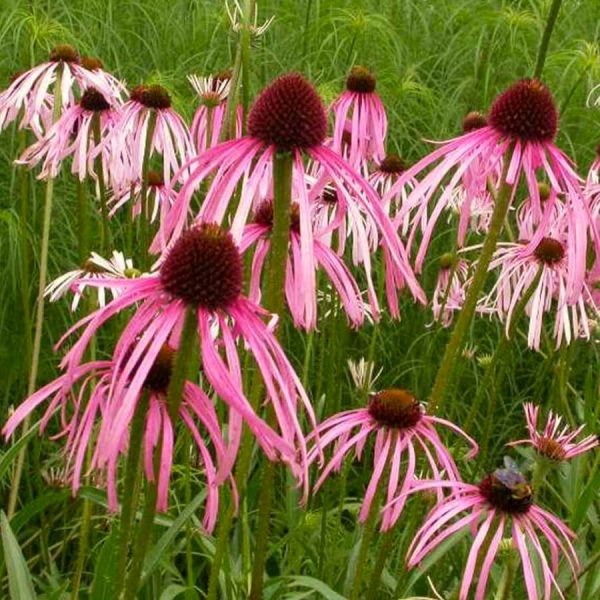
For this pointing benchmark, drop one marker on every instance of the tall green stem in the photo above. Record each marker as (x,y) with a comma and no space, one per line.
(145,213)
(39,317)
(274,301)
(505,588)
(465,317)
(83,221)
(550,22)
(130,489)
(181,365)
(383,553)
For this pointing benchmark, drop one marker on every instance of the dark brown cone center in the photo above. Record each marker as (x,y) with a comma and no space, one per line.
(159,376)
(395,408)
(514,499)
(361,80)
(549,251)
(64,53)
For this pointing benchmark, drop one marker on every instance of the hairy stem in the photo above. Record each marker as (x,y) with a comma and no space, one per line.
(543,51)
(465,317)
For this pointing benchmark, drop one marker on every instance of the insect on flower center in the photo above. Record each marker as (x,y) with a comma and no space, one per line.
(264,216)
(155,178)
(514,496)
(549,251)
(361,80)
(392,164)
(93,100)
(551,449)
(474,120)
(289,114)
(525,111)
(159,375)
(91,63)
(395,408)
(64,53)
(155,96)
(204,268)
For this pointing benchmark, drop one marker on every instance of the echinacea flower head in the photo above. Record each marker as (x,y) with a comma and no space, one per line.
(302,307)
(546,267)
(450,288)
(95,267)
(518,139)
(149,124)
(289,117)
(31,92)
(502,503)
(80,417)
(402,433)
(159,197)
(360,112)
(201,273)
(209,118)
(78,134)
(555,441)
(96,66)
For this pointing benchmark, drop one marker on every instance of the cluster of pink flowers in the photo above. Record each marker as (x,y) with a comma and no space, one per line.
(350,202)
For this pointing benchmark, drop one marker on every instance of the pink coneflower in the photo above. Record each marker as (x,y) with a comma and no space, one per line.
(74,135)
(529,218)
(170,136)
(288,116)
(96,66)
(449,293)
(302,306)
(502,500)
(521,127)
(593,176)
(30,92)
(80,416)
(360,112)
(208,119)
(383,178)
(95,267)
(519,265)
(203,272)
(159,196)
(556,441)
(402,431)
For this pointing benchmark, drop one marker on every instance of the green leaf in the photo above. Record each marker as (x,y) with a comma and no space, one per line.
(172,591)
(585,500)
(153,557)
(316,585)
(11,453)
(102,585)
(33,508)
(20,585)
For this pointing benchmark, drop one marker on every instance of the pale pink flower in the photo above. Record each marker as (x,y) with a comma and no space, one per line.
(203,272)
(288,116)
(522,125)
(159,196)
(303,307)
(170,136)
(518,265)
(83,398)
(502,502)
(402,431)
(450,289)
(95,65)
(556,441)
(95,267)
(360,112)
(31,92)
(73,136)
(207,124)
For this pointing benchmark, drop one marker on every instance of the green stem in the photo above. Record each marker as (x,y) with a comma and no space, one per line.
(505,588)
(542,52)
(84,538)
(130,489)
(365,541)
(104,230)
(181,365)
(500,351)
(83,222)
(245,68)
(540,470)
(305,37)
(274,301)
(39,317)
(383,553)
(145,213)
(465,317)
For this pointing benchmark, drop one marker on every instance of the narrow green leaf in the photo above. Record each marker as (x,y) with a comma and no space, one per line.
(172,591)
(10,455)
(105,566)
(155,554)
(316,585)
(20,585)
